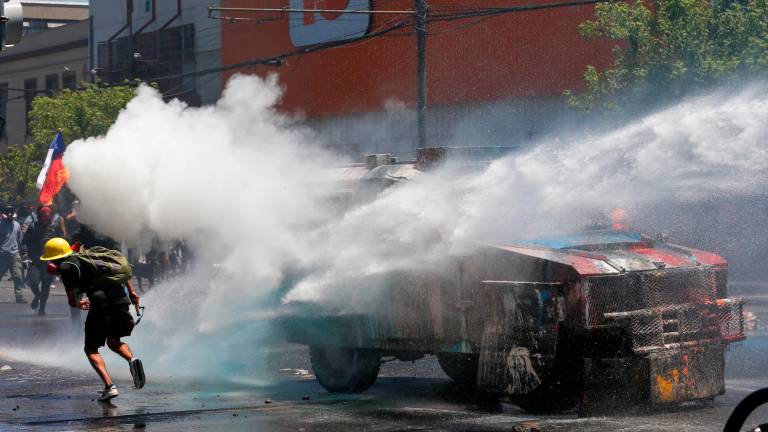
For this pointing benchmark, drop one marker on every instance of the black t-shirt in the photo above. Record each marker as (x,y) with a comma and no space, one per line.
(36,237)
(78,275)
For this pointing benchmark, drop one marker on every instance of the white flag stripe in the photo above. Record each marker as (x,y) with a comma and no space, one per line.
(44,171)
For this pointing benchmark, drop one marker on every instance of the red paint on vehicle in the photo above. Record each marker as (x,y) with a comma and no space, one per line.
(667,257)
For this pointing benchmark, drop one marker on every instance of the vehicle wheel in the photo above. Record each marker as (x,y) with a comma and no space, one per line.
(554,399)
(345,370)
(460,367)
(560,392)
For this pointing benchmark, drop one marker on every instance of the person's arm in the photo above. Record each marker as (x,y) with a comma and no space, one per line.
(133,295)
(70,275)
(24,245)
(63,228)
(71,298)
(73,302)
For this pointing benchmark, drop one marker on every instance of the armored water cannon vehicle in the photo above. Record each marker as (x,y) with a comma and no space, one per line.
(599,317)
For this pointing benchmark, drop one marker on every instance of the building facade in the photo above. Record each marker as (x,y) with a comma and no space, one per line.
(41,64)
(166,42)
(491,79)
(42,15)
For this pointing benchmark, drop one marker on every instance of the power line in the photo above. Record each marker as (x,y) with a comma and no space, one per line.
(277,60)
(460,12)
(510,9)
(211,9)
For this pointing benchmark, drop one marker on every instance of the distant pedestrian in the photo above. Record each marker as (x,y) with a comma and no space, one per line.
(58,224)
(38,279)
(25,217)
(70,220)
(104,276)
(10,259)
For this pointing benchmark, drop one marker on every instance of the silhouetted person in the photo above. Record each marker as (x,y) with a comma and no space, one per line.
(10,258)
(38,279)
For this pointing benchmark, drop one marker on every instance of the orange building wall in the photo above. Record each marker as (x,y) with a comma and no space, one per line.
(516,55)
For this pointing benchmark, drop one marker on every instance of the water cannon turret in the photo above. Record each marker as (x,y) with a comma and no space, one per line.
(375,160)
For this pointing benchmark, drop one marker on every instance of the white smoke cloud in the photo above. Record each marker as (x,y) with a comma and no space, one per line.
(237,181)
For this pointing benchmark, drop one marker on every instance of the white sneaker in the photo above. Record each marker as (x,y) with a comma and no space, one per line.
(110,392)
(137,372)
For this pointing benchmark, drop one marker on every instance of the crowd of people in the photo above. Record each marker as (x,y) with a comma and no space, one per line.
(162,261)
(39,244)
(23,233)
(24,230)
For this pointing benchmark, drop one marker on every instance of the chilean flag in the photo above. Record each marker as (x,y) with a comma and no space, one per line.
(53,175)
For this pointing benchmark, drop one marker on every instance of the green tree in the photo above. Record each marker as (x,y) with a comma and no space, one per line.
(18,173)
(667,48)
(85,112)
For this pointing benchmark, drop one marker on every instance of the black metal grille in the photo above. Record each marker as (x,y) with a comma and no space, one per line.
(669,325)
(665,308)
(643,290)
(678,286)
(610,294)
(730,317)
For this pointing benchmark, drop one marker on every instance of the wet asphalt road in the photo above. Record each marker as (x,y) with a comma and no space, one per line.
(407,396)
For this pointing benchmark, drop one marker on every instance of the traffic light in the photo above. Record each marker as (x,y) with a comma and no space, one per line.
(11,22)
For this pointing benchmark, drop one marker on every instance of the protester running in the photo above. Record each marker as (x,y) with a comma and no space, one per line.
(104,276)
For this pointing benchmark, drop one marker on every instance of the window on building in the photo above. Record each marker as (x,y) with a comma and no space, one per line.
(152,55)
(30,91)
(69,80)
(3,107)
(52,83)
(32,26)
(102,51)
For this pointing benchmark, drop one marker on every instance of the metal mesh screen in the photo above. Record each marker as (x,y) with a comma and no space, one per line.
(730,317)
(691,323)
(678,324)
(647,330)
(610,294)
(643,290)
(678,286)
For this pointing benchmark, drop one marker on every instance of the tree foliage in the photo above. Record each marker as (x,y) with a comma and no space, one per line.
(667,48)
(86,112)
(18,173)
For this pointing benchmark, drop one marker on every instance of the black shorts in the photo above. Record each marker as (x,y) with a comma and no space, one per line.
(114,321)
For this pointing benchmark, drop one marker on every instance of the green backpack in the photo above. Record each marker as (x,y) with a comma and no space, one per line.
(110,267)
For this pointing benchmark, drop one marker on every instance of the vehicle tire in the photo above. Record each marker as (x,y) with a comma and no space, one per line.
(345,370)
(460,367)
(560,392)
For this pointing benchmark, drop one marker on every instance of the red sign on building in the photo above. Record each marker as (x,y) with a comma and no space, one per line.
(530,54)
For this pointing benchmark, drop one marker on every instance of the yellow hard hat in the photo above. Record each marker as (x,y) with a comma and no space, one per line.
(56,248)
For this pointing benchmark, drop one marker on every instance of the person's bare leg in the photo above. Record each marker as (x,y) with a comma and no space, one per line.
(120,348)
(98,365)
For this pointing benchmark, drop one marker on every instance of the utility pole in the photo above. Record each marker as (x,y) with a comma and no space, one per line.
(131,55)
(421,52)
